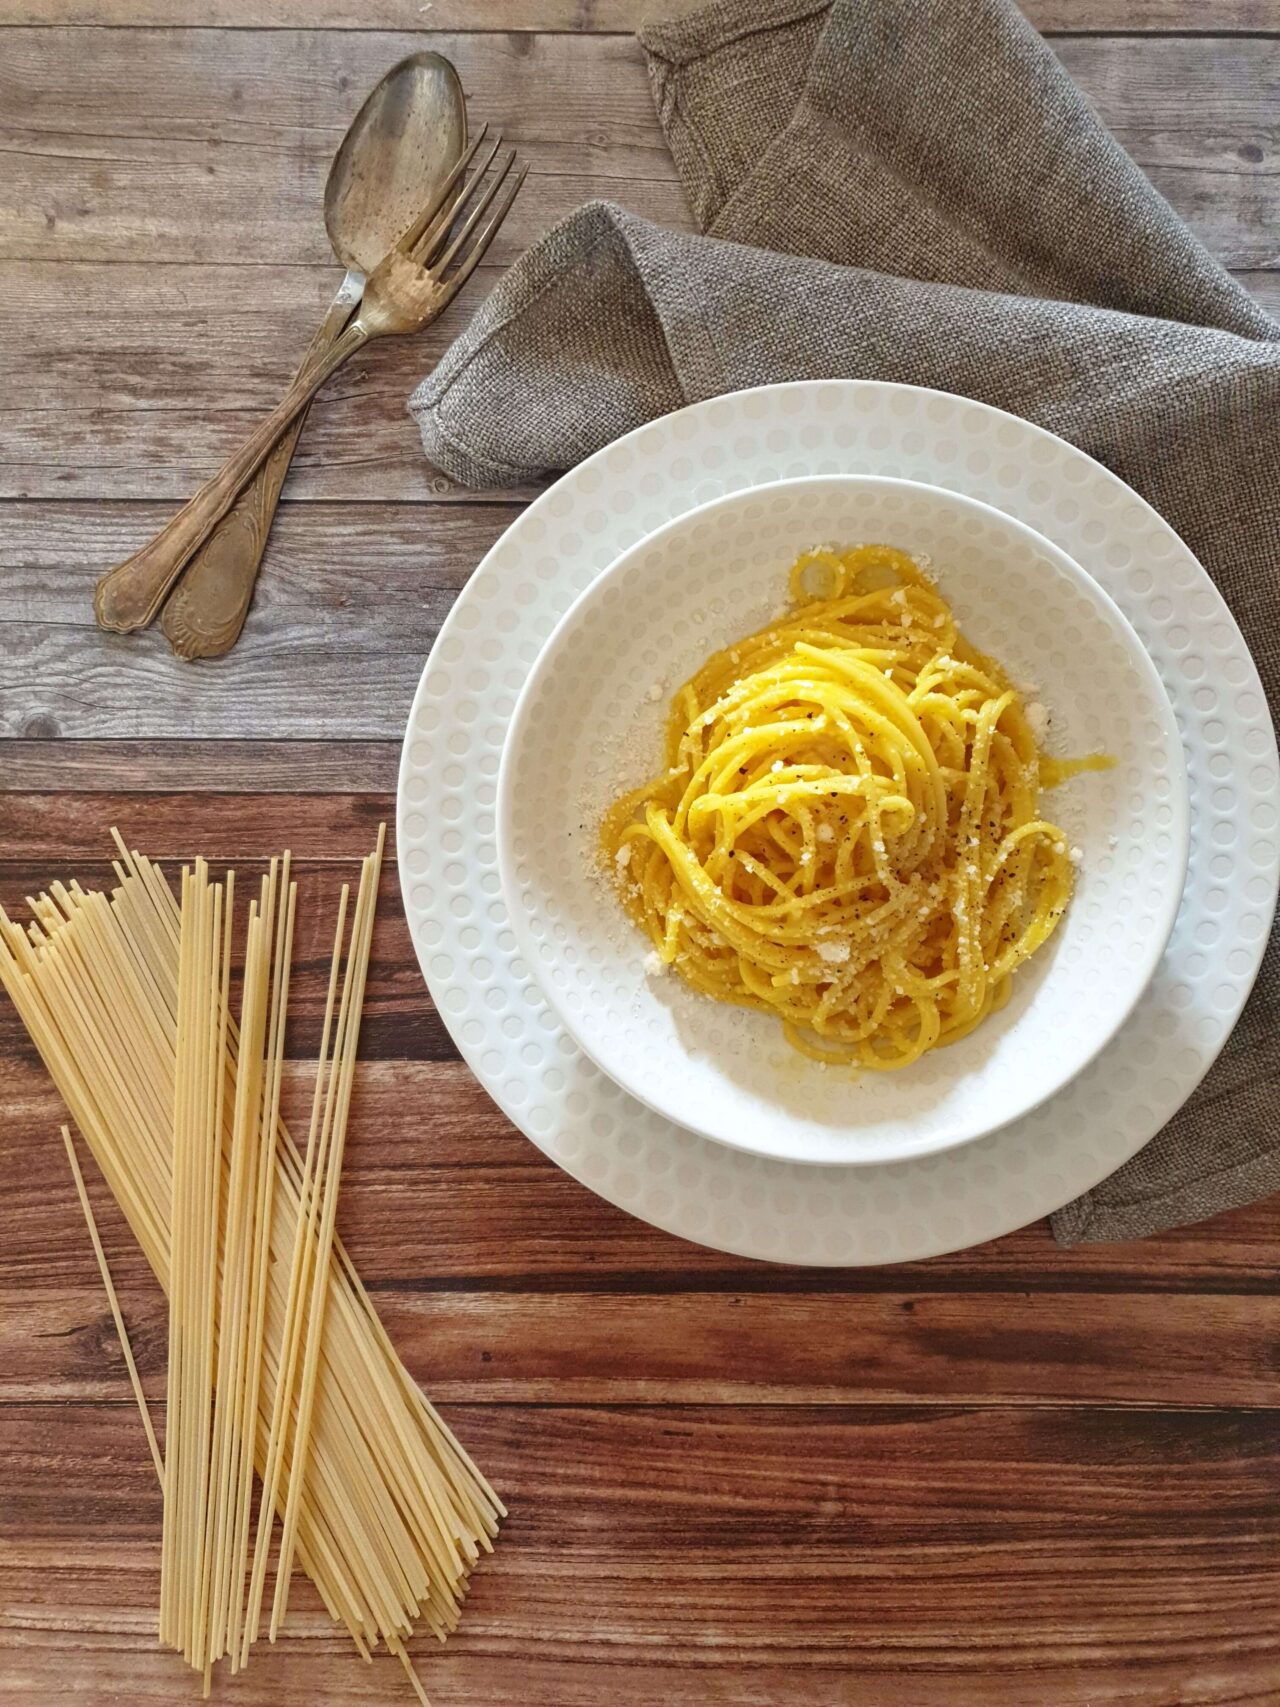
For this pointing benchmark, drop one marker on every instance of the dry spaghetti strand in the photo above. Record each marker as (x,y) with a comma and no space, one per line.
(847,830)
(117,1315)
(175,1086)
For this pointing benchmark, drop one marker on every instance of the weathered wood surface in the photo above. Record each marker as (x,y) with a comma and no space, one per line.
(172,364)
(112,149)
(345,612)
(1010,1477)
(108,148)
(186,327)
(142,407)
(1161,17)
(310,766)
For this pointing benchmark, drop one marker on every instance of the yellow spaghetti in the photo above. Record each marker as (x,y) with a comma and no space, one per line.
(847,833)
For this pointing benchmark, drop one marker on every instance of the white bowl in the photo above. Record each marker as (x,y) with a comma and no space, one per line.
(589,722)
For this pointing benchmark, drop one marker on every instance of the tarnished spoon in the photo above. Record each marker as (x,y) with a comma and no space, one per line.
(392,161)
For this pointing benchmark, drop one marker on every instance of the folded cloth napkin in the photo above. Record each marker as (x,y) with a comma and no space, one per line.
(893,189)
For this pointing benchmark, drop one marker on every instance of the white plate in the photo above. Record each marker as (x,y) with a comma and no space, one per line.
(589,725)
(448,858)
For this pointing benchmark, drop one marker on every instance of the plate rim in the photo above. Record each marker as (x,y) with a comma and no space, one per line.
(669,1220)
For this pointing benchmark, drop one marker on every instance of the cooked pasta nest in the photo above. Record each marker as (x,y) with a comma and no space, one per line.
(846,832)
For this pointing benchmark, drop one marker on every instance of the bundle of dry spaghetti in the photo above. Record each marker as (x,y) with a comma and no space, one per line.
(277,1360)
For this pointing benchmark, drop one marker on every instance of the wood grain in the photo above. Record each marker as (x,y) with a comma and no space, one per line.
(744,1555)
(1006,1348)
(133,407)
(443,1194)
(138,406)
(1222,17)
(62,829)
(100,169)
(733,1474)
(158,767)
(343,618)
(187,329)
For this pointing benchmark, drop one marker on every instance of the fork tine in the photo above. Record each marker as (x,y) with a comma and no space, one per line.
(437,231)
(473,219)
(482,242)
(432,209)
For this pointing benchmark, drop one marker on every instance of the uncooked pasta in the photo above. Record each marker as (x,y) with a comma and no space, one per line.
(277,1360)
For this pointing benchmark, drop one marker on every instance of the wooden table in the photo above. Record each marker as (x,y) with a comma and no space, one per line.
(1015,1475)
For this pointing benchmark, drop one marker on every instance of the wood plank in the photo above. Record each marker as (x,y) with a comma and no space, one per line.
(159,767)
(986,1559)
(1217,161)
(441,1191)
(591,16)
(123,410)
(1003,1348)
(571,1474)
(120,1670)
(728,1659)
(62,831)
(491,1272)
(102,168)
(345,612)
(110,150)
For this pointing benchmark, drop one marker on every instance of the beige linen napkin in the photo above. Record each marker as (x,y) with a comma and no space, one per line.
(894,189)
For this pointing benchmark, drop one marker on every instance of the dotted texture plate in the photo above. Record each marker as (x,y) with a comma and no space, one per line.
(757,1206)
(589,726)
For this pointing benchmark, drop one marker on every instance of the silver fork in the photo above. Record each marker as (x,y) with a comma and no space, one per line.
(409,288)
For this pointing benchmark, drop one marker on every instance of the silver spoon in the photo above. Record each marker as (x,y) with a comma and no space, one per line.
(393,159)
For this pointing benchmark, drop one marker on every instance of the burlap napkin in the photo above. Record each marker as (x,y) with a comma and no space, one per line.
(1019,257)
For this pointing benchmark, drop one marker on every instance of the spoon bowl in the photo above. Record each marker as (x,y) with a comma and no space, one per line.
(402,142)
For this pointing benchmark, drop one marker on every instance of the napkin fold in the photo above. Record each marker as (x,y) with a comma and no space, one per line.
(891,189)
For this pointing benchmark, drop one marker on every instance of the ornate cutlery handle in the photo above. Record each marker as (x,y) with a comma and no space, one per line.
(206,611)
(128,596)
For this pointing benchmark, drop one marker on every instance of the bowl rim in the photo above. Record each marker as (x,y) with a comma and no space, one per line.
(1070,571)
